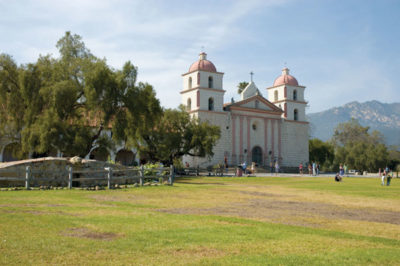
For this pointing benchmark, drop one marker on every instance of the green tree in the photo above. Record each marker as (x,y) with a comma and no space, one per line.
(177,134)
(348,132)
(66,103)
(241,86)
(321,152)
(359,149)
(394,157)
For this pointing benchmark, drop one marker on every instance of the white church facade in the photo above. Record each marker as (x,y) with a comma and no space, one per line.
(253,129)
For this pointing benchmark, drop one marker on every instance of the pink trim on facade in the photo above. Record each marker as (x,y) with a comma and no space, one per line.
(299,122)
(248,137)
(265,137)
(273,87)
(198,78)
(203,88)
(198,98)
(241,135)
(246,109)
(279,124)
(207,111)
(288,100)
(260,117)
(256,97)
(273,138)
(285,92)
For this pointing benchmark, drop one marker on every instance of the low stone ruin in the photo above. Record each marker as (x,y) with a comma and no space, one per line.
(53,171)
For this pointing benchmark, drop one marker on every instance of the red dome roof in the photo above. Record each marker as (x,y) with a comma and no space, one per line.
(285,78)
(203,64)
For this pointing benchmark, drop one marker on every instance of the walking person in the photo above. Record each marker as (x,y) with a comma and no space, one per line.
(317,168)
(309,169)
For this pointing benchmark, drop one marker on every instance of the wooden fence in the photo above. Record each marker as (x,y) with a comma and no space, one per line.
(107,176)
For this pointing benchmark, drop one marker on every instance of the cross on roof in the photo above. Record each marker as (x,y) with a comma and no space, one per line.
(251,76)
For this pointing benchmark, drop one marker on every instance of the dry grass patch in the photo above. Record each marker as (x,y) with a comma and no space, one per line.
(82,232)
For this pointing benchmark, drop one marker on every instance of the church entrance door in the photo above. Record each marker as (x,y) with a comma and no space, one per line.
(256,155)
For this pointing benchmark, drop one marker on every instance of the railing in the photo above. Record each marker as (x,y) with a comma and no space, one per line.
(95,176)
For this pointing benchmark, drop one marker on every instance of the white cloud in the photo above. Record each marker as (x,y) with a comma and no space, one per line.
(164,38)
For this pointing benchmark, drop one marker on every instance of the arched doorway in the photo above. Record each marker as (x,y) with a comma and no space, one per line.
(99,154)
(125,157)
(10,152)
(256,155)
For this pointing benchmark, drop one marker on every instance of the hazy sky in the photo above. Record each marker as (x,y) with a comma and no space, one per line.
(341,51)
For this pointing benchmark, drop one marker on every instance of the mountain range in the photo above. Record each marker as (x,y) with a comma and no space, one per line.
(384,117)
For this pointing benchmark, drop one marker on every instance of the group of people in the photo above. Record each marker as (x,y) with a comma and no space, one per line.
(313,168)
(274,167)
(245,170)
(386,175)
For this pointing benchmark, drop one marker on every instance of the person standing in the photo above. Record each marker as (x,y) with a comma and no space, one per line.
(253,167)
(244,166)
(388,179)
(276,168)
(317,168)
(341,170)
(271,166)
(383,178)
(314,166)
(301,169)
(309,169)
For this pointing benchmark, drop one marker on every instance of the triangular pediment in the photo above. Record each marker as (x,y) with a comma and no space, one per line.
(256,102)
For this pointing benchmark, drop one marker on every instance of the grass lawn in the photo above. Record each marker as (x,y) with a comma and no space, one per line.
(209,220)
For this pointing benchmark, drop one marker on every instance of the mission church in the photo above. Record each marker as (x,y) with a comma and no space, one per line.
(253,129)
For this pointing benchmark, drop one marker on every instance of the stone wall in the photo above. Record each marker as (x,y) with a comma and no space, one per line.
(54,171)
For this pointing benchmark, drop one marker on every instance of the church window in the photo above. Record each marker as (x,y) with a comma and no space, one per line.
(276,95)
(210,82)
(254,126)
(295,115)
(294,95)
(190,83)
(210,104)
(189,104)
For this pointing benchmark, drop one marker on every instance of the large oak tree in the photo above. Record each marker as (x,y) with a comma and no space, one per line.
(67,103)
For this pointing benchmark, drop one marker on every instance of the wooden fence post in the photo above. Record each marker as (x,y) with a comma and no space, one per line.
(171,175)
(27,176)
(109,176)
(70,174)
(141,175)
